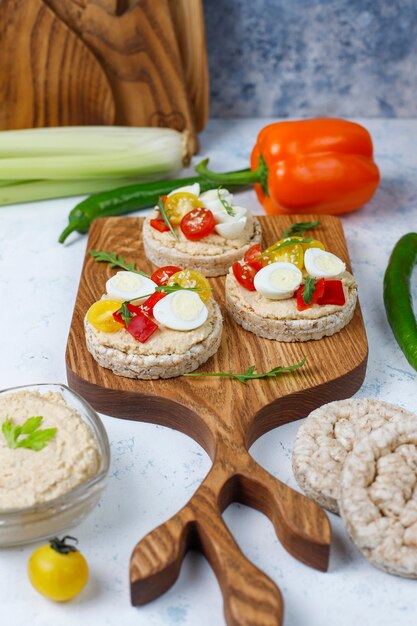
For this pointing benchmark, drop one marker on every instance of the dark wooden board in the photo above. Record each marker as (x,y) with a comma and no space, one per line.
(225,417)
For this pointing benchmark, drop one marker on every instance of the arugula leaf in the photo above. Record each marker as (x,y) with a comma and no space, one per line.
(309,289)
(166,218)
(290,242)
(299,229)
(227,206)
(35,440)
(126,315)
(250,374)
(115,261)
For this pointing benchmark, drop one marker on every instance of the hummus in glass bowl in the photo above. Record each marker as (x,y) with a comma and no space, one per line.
(54,460)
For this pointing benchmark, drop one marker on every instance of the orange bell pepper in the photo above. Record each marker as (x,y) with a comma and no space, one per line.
(322,165)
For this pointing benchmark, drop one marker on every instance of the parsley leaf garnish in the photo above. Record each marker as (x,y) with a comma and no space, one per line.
(299,229)
(250,373)
(35,439)
(227,206)
(309,289)
(166,218)
(115,261)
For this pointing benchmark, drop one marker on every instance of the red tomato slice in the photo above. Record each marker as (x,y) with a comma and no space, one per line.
(159,224)
(252,257)
(197,224)
(244,274)
(333,293)
(148,305)
(141,327)
(162,275)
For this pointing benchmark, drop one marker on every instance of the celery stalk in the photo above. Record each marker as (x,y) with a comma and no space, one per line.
(31,190)
(90,152)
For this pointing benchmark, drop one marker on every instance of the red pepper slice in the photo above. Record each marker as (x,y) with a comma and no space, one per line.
(141,327)
(159,224)
(333,293)
(147,306)
(318,293)
(132,308)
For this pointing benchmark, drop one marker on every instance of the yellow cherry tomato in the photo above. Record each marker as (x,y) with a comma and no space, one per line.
(192,278)
(100,315)
(288,254)
(178,204)
(313,244)
(56,573)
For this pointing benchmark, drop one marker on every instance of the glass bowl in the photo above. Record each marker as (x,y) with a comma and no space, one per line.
(46,520)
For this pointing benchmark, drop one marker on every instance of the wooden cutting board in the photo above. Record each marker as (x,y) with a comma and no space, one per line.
(225,417)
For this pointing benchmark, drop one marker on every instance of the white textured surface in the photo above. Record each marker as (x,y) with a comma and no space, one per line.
(148,483)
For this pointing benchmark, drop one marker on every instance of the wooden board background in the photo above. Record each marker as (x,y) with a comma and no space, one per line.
(225,417)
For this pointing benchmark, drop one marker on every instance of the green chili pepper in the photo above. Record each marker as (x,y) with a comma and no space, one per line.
(397,296)
(126,200)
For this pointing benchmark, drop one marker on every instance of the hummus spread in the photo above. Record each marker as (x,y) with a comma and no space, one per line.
(212,245)
(163,342)
(283,309)
(30,477)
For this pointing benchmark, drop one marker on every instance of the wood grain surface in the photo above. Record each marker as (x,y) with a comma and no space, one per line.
(137,47)
(188,20)
(48,76)
(225,417)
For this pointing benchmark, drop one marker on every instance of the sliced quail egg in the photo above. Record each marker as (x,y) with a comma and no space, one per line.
(129,286)
(322,264)
(278,281)
(194,189)
(212,199)
(231,230)
(181,310)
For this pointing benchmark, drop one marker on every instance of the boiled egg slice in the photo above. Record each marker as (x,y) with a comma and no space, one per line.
(211,199)
(129,286)
(278,281)
(322,264)
(231,230)
(194,189)
(181,310)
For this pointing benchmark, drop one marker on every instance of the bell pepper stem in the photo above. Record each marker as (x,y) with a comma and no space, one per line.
(244,177)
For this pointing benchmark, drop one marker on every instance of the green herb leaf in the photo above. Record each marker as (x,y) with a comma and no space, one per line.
(126,315)
(227,206)
(10,432)
(115,261)
(250,373)
(177,287)
(309,289)
(31,425)
(35,440)
(299,229)
(166,218)
(290,242)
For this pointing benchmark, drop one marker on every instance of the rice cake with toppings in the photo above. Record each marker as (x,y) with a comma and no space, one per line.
(213,255)
(167,353)
(281,320)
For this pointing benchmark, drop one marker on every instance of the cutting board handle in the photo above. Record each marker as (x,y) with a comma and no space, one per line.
(250,597)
